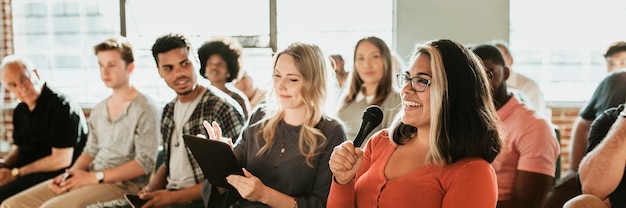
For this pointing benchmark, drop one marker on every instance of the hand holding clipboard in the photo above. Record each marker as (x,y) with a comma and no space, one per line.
(223,168)
(215,133)
(214,156)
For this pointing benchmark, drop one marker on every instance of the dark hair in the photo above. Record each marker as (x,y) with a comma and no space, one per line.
(385,86)
(489,52)
(616,47)
(463,119)
(228,50)
(118,44)
(168,42)
(337,56)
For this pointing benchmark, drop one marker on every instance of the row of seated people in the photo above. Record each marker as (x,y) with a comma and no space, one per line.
(610,93)
(591,126)
(444,136)
(124,132)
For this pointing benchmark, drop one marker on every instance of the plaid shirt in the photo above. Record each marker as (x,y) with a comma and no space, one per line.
(212,107)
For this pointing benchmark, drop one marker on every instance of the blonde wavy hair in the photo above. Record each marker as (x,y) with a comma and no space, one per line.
(314,68)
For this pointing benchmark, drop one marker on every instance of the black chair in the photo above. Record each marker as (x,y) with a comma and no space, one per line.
(557,170)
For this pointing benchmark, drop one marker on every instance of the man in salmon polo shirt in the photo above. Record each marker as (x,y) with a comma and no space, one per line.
(526,164)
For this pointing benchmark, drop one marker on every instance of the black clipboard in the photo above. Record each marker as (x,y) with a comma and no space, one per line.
(215,158)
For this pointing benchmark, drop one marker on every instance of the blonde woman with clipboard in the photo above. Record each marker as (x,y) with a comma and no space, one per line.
(285,149)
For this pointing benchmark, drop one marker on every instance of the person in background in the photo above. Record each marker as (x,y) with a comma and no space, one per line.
(341,76)
(178,181)
(219,62)
(285,148)
(610,92)
(528,87)
(526,164)
(50,129)
(255,94)
(340,72)
(437,153)
(122,145)
(602,169)
(397,65)
(370,84)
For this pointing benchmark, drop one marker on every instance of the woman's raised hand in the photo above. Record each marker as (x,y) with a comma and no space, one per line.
(215,132)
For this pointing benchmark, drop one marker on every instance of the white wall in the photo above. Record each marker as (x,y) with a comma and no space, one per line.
(465,21)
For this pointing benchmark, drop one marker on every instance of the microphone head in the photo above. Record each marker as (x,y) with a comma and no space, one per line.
(372,117)
(373,114)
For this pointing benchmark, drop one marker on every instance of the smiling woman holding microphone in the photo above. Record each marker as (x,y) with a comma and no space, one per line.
(438,153)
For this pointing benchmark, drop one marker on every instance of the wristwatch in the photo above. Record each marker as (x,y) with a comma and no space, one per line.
(100,176)
(15,172)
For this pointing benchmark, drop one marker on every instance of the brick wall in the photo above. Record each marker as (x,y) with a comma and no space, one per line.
(564,118)
(7,29)
(7,126)
(6,130)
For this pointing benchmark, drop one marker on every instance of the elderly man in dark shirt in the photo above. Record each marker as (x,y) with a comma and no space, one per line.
(49,129)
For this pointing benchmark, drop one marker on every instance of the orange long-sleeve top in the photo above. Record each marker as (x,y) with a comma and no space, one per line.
(467,183)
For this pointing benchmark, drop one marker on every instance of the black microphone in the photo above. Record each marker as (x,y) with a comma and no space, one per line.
(372,117)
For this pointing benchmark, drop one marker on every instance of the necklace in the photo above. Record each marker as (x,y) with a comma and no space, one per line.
(179,123)
(283,148)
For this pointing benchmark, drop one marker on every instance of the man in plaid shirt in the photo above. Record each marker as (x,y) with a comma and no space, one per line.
(178,181)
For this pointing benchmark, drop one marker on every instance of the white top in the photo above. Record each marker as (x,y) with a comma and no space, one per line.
(181,174)
(368,98)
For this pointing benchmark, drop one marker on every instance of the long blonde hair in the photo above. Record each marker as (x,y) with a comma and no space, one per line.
(311,62)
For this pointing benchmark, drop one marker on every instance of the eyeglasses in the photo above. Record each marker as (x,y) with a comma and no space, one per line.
(417,83)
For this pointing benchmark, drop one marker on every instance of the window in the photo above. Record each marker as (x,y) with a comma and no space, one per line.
(200,21)
(335,26)
(560,44)
(58,35)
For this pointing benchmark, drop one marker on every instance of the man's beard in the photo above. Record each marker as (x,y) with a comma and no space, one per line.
(187,92)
